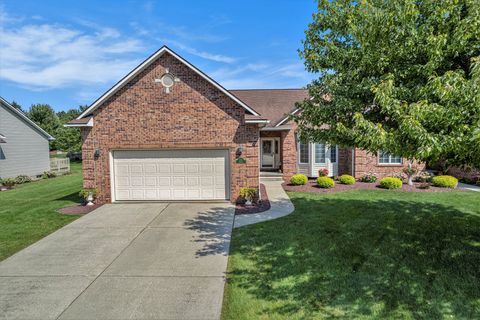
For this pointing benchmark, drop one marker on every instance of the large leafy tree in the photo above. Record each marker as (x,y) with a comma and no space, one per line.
(68,139)
(45,117)
(401,76)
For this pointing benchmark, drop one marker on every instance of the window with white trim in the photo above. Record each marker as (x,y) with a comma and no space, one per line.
(333,154)
(303,152)
(386,158)
(319,153)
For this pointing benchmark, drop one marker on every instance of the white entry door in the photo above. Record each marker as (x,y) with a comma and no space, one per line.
(171,175)
(270,153)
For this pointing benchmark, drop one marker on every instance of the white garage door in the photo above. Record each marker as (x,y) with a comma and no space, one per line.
(171,175)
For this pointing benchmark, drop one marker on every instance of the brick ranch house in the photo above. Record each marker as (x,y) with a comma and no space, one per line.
(167,131)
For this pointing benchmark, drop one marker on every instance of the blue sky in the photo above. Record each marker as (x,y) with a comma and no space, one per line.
(67,53)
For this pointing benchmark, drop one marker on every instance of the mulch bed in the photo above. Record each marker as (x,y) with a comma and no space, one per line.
(311,186)
(262,205)
(78,209)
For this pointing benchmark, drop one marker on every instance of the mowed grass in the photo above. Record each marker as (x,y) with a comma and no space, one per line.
(28,213)
(363,254)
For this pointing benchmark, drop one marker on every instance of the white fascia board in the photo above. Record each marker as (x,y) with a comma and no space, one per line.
(145,64)
(77,125)
(26,119)
(286,118)
(257,121)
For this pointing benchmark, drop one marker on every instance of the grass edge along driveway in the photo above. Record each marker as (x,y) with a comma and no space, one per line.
(28,213)
(363,254)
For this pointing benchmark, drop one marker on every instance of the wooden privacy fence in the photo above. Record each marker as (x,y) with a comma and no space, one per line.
(60,165)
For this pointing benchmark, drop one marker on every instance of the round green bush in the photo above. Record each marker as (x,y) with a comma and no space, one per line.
(391,183)
(445,182)
(346,179)
(325,182)
(298,179)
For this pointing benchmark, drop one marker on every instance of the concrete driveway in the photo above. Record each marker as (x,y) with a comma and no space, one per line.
(124,261)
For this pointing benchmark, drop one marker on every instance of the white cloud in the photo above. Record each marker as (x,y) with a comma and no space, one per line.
(202,54)
(47,56)
(263,75)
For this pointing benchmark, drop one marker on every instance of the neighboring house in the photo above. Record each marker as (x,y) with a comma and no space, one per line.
(167,131)
(23,144)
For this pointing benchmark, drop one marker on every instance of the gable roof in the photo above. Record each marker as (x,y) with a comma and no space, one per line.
(145,64)
(25,119)
(273,104)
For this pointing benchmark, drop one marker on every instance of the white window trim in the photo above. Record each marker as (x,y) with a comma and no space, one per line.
(299,153)
(389,163)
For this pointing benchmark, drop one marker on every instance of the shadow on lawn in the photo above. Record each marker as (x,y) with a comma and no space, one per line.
(353,258)
(74,197)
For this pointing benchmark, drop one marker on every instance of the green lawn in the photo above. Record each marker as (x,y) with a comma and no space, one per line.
(365,254)
(28,214)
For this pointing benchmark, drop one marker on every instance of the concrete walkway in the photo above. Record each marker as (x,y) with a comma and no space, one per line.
(124,261)
(470,187)
(280,205)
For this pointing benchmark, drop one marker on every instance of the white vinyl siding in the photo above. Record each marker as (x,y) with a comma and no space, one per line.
(25,151)
(386,158)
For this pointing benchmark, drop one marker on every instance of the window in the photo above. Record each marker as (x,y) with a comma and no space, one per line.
(333,154)
(303,152)
(319,153)
(386,158)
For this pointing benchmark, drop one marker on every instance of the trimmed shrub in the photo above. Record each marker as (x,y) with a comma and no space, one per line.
(445,182)
(23,179)
(325,182)
(85,192)
(248,194)
(423,176)
(391,183)
(346,179)
(48,175)
(369,178)
(323,172)
(9,183)
(298,179)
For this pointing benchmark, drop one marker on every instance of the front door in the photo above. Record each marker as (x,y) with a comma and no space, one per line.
(270,153)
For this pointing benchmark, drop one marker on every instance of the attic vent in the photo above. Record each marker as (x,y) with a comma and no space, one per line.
(167,80)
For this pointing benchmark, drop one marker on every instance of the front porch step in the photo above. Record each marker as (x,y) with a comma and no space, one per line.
(271,176)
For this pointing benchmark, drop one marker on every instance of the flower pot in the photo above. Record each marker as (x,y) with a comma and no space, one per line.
(90,199)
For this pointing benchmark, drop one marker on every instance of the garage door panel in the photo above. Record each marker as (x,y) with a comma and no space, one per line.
(151,181)
(136,181)
(151,194)
(179,181)
(179,168)
(150,168)
(164,168)
(123,181)
(193,181)
(135,168)
(171,175)
(164,181)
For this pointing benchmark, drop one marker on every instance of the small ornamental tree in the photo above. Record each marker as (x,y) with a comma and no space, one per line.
(400,76)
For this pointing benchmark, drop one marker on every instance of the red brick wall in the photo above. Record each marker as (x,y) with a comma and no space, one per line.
(368,163)
(194,115)
(344,161)
(289,161)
